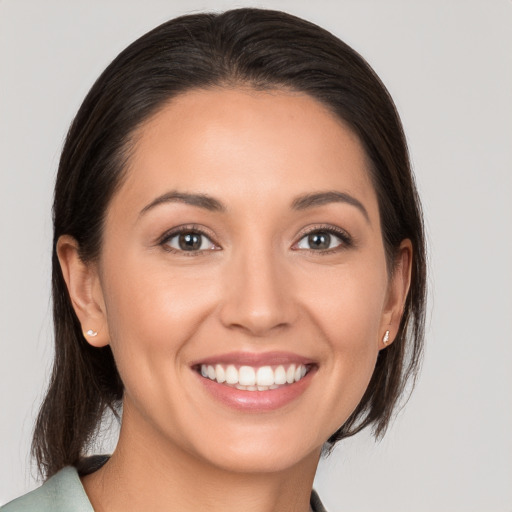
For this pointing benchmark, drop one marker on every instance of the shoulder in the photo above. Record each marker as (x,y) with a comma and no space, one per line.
(63,492)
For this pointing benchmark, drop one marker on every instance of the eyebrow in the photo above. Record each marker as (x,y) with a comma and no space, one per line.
(200,200)
(299,203)
(331,196)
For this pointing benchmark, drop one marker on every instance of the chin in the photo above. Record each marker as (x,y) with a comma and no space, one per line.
(263,459)
(263,449)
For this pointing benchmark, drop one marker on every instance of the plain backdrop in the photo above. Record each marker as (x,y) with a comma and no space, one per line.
(448,65)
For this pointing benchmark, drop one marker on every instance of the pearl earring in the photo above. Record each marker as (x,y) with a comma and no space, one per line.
(385,339)
(92,333)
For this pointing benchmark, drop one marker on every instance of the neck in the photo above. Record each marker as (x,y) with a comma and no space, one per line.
(147,472)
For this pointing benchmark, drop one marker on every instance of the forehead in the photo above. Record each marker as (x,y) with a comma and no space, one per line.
(246,146)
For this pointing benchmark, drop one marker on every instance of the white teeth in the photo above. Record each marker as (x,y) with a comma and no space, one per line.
(220,373)
(265,376)
(248,378)
(290,374)
(280,376)
(231,375)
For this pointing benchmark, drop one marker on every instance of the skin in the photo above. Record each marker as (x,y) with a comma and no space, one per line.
(255,286)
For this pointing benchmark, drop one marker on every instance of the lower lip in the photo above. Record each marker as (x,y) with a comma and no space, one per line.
(257,401)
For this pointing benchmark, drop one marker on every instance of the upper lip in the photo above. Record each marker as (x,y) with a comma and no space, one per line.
(254,359)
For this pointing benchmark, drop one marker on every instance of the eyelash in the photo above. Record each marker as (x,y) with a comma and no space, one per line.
(187,229)
(342,235)
(346,240)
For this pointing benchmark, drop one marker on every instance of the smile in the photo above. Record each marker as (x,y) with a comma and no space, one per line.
(251,378)
(255,382)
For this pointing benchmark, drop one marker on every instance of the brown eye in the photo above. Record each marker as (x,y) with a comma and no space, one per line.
(319,241)
(190,241)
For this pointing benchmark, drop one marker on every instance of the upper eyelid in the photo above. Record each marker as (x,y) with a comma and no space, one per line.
(326,228)
(186,228)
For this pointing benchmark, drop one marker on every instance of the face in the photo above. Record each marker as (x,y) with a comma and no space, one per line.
(242,282)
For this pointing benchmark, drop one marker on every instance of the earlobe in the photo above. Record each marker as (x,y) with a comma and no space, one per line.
(397,294)
(84,290)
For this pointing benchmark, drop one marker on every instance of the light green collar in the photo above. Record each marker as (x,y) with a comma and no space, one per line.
(63,492)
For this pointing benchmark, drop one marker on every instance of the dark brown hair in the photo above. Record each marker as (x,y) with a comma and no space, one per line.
(262,49)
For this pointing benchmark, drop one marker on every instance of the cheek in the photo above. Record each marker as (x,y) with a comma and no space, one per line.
(348,303)
(153,313)
(146,295)
(348,315)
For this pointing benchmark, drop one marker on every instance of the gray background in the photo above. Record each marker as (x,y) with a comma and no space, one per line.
(448,64)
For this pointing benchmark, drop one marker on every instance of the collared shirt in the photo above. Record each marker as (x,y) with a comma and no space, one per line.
(64,492)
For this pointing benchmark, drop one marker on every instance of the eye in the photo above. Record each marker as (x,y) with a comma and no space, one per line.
(189,241)
(322,240)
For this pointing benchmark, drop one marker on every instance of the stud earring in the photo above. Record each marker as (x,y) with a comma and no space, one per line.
(385,339)
(91,333)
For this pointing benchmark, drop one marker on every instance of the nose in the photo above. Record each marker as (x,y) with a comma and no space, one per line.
(258,297)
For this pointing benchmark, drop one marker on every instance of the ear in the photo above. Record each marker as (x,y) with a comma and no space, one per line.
(398,289)
(85,292)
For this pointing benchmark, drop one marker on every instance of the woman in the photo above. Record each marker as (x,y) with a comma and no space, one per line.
(238,269)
